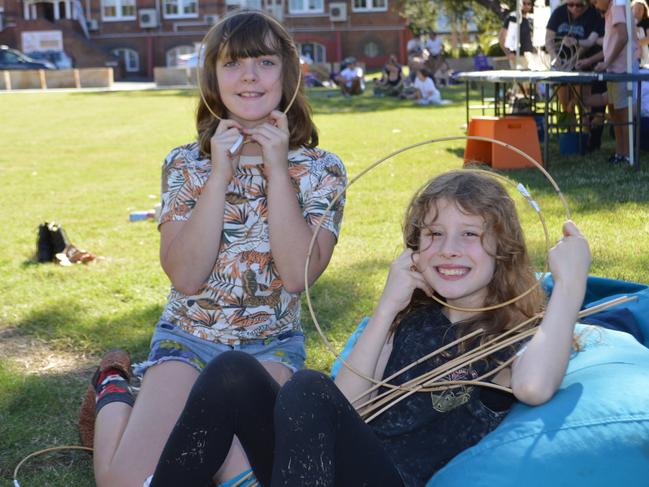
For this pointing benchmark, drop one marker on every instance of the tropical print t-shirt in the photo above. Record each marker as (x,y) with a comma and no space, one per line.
(243,298)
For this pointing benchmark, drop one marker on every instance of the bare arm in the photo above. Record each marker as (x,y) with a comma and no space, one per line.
(550,36)
(502,36)
(537,374)
(188,249)
(589,61)
(589,42)
(290,235)
(622,39)
(369,354)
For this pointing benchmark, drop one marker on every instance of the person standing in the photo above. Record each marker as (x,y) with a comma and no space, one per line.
(508,42)
(615,61)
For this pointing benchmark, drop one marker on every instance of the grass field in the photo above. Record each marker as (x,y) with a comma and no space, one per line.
(87,159)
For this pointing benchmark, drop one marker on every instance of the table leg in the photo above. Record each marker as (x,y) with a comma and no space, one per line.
(546,132)
(466,84)
(638,123)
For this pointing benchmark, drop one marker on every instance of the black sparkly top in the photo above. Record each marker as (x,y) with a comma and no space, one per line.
(426,430)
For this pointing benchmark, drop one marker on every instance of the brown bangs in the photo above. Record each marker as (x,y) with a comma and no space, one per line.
(250,34)
(253,37)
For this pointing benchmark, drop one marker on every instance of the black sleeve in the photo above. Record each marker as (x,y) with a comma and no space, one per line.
(593,23)
(555,20)
(644,23)
(509,18)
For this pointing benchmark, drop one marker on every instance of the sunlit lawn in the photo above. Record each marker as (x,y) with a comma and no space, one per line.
(87,159)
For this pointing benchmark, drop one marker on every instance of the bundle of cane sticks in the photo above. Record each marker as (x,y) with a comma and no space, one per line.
(434,380)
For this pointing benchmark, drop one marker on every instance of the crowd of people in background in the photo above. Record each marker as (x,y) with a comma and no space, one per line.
(581,35)
(584,36)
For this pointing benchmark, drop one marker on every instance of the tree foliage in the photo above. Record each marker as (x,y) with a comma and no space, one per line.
(422,14)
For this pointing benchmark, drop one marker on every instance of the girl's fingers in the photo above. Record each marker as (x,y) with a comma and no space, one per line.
(421,283)
(227,124)
(279,119)
(570,229)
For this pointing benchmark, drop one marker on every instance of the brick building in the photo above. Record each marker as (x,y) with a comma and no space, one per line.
(136,35)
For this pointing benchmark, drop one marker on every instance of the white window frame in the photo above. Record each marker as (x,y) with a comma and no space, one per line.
(369,6)
(316,47)
(247,4)
(182,14)
(130,56)
(305,7)
(119,4)
(178,50)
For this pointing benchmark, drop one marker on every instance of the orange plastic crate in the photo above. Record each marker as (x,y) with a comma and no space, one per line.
(520,132)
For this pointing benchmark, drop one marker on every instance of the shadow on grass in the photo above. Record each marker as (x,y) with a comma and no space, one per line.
(38,412)
(68,326)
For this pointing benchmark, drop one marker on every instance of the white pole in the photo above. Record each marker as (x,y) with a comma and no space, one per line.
(518,32)
(630,30)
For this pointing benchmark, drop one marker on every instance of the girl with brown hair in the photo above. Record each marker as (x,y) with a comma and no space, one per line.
(239,206)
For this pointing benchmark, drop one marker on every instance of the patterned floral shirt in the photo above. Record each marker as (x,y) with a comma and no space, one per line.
(243,298)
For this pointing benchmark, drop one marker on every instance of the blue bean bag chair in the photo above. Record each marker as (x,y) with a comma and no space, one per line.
(595,430)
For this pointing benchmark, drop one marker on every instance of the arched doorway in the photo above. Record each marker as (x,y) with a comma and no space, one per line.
(51,10)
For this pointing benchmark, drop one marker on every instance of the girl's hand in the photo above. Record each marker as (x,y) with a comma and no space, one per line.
(273,138)
(403,279)
(570,258)
(223,163)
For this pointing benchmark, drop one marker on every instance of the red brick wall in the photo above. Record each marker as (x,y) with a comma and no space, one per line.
(349,38)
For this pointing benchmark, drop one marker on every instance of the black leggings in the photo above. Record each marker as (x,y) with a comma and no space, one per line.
(320,440)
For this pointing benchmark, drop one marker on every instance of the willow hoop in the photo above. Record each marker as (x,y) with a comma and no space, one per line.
(307,288)
(198,78)
(46,450)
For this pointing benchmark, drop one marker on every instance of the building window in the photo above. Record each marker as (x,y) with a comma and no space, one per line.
(180,8)
(118,9)
(372,49)
(306,6)
(238,4)
(316,53)
(129,57)
(181,56)
(369,5)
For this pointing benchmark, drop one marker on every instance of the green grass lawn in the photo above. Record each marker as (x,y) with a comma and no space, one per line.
(87,159)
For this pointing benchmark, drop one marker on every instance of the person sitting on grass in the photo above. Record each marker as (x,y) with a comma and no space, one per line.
(391,82)
(425,92)
(239,207)
(464,245)
(351,79)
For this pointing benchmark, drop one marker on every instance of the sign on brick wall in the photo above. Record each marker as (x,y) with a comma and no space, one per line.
(42,40)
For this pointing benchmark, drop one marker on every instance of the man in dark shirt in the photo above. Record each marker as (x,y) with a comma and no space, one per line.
(572,32)
(569,32)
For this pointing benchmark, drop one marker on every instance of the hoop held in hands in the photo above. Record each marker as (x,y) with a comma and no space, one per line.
(382,160)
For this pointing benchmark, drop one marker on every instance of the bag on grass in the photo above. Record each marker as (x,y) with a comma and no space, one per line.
(52,240)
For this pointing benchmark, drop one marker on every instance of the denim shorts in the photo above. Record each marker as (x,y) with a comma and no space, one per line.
(169,342)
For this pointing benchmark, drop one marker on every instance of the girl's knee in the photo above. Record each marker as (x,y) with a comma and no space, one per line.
(228,374)
(308,385)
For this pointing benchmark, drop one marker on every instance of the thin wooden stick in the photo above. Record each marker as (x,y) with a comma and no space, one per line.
(384,382)
(442,371)
(469,357)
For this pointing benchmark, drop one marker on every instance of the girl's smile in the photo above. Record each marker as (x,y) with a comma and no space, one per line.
(454,257)
(250,87)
